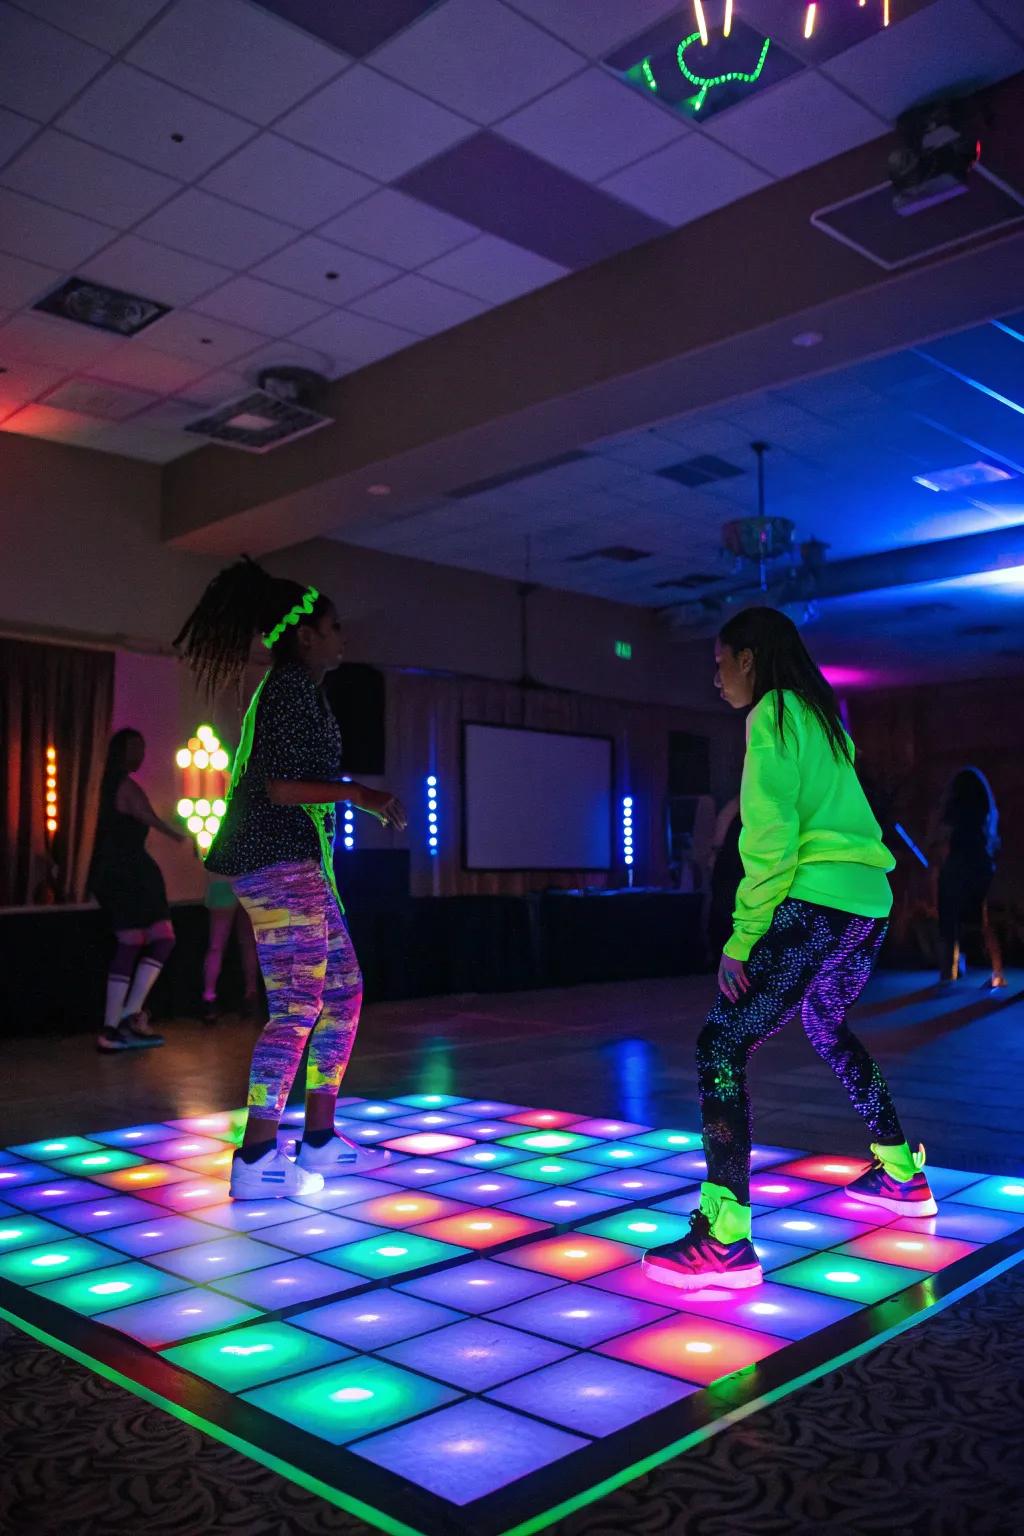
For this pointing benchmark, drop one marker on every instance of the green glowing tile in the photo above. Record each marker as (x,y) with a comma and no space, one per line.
(246,1357)
(104,1289)
(558,1143)
(646,1229)
(347,1401)
(60,1256)
(836,1274)
(394,1253)
(555,1170)
(101,1160)
(670,1141)
(27,1231)
(56,1146)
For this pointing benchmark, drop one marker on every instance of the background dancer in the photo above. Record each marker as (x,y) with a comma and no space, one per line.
(276,843)
(969,841)
(227,916)
(810,918)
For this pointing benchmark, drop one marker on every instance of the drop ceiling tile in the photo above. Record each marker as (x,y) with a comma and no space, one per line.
(47,342)
(87,180)
(175,413)
(212,389)
(14,132)
(685,181)
(21,382)
(494,269)
(928,53)
(305,264)
(398,228)
(93,397)
(279,178)
(1009,12)
(770,128)
(260,306)
(54,425)
(374,125)
(354,339)
(136,440)
(41,69)
(419,305)
(110,25)
(592,125)
(145,368)
(23,282)
(206,226)
(477,57)
(214,343)
(127,107)
(235,56)
(154,272)
(596,26)
(48,235)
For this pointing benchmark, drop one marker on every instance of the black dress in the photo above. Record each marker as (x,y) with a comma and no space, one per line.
(124,879)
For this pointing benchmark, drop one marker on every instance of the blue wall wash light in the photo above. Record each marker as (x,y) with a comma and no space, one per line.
(432,815)
(627,831)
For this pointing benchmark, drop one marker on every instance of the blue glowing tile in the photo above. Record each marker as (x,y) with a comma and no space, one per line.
(1001,1193)
(489,1130)
(363,1132)
(475,1354)
(131,1136)
(7,1157)
(689,1201)
(408,1173)
(969,1224)
(51,1194)
(579,1315)
(592,1395)
(487,1189)
(564,1206)
(763,1156)
(778,1189)
(16,1175)
(22,1229)
(776,1309)
(52,1148)
(158,1234)
(224,1255)
(478,1287)
(97,1214)
(342,1190)
(374,1109)
(431,1101)
(469,1450)
(431,1120)
(169,1319)
(342,1402)
(375,1319)
(6,1210)
(283,1285)
(948,1181)
(688,1165)
(774,1255)
(808,1229)
(610,1129)
(485,1157)
(242,1358)
(253,1215)
(615,1154)
(634,1184)
(317,1230)
(491,1109)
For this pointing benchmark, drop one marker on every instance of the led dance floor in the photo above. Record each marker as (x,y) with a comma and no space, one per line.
(462,1341)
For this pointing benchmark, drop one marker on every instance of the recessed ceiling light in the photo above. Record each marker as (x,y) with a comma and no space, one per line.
(378,490)
(962,476)
(807,338)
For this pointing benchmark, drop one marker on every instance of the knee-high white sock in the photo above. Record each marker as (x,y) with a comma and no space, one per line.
(117,991)
(146,973)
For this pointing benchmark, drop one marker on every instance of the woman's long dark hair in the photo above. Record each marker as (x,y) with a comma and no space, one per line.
(241,602)
(783,662)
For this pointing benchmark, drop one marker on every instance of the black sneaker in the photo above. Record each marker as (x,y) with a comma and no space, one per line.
(208,1013)
(700,1260)
(123,1038)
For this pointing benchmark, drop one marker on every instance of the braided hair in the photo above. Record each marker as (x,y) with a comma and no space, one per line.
(782,661)
(242,601)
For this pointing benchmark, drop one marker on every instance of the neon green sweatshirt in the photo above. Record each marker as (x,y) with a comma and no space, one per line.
(808,831)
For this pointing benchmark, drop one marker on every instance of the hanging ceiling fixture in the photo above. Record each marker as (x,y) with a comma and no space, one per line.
(761,539)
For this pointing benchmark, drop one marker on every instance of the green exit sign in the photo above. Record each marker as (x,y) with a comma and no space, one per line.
(623,650)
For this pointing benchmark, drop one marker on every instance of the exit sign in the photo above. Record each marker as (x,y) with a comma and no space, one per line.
(623,650)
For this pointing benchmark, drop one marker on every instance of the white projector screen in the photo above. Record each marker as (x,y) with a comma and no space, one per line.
(535,799)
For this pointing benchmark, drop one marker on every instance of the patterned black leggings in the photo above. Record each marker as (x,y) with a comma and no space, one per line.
(813,961)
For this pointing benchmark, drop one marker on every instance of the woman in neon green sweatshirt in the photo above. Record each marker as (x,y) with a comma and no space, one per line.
(811,914)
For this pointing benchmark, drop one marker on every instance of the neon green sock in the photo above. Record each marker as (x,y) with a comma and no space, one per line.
(729,1220)
(899,1162)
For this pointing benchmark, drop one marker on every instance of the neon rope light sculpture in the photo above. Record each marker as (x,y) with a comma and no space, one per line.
(708,83)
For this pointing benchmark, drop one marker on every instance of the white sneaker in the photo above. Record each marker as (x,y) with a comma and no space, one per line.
(272,1177)
(339,1155)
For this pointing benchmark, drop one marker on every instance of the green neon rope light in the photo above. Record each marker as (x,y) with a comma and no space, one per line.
(301,610)
(648,74)
(705,85)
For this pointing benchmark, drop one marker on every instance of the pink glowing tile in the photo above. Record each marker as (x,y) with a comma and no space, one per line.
(571,1258)
(192,1195)
(144,1177)
(839,1203)
(608,1130)
(631,1281)
(912,1249)
(170,1319)
(224,1255)
(428,1143)
(283,1285)
(544,1119)
(158,1233)
(969,1226)
(173,1148)
(97,1214)
(825,1170)
(405,1208)
(692,1348)
(224,1125)
(482,1228)
(777,1189)
(51,1195)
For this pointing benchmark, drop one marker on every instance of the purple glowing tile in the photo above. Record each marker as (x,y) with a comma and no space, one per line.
(762,1156)
(51,1195)
(479,1286)
(774,1255)
(609,1129)
(374,1109)
(343,1190)
(469,1450)
(960,1221)
(489,1130)
(133,1135)
(375,1319)
(593,1395)
(169,1319)
(781,1310)
(839,1203)
(431,1120)
(178,1148)
(96,1215)
(580,1315)
(317,1230)
(631,1281)
(635,1184)
(808,1229)
(485,1158)
(564,1206)
(486,1189)
(16,1175)
(364,1132)
(158,1234)
(227,1255)
(252,1215)
(475,1354)
(688,1165)
(409,1172)
(283,1285)
(491,1109)
(679,1205)
(779,1189)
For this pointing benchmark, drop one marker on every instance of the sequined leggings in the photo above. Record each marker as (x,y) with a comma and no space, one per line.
(314,985)
(815,962)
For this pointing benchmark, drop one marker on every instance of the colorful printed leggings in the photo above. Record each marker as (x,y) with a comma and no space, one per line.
(812,961)
(314,985)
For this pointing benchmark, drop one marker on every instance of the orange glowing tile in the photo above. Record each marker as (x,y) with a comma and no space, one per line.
(913,1249)
(405,1209)
(481,1228)
(692,1348)
(144,1176)
(575,1257)
(428,1143)
(544,1119)
(826,1170)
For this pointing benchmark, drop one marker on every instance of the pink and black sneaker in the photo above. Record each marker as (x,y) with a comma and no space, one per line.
(905,1197)
(700,1260)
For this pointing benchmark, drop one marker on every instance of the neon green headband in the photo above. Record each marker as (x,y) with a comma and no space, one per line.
(300,611)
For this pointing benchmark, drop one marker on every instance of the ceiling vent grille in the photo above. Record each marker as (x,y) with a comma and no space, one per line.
(477,487)
(257,422)
(624,554)
(690,583)
(703,470)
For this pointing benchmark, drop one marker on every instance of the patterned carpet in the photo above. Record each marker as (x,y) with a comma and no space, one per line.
(920,1438)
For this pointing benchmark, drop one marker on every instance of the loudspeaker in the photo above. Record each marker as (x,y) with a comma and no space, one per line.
(356,694)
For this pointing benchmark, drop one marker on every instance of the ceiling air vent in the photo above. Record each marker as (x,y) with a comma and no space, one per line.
(689,583)
(703,470)
(108,309)
(477,487)
(257,422)
(619,552)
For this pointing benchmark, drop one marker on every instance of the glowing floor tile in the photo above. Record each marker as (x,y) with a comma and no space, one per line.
(995,1194)
(776,1189)
(494,1109)
(465,1452)
(170,1319)
(774,1255)
(563,1207)
(101,1290)
(49,1151)
(158,1234)
(560,1143)
(544,1119)
(27,1232)
(374,1109)
(89,1165)
(176,1147)
(488,1156)
(142,1177)
(839,1203)
(252,1215)
(915,1249)
(669,1140)
(284,1285)
(618,1154)
(552,1170)
(355,1398)
(428,1143)
(836,1274)
(431,1100)
(610,1130)
(781,1310)
(762,1156)
(580,1315)
(406,1208)
(97,1214)
(643,1228)
(825,1170)
(482,1228)
(131,1136)
(693,1348)
(488,1189)
(317,1230)
(346,1190)
(631,1281)
(594,1397)
(50,1195)
(948,1181)
(380,1258)
(228,1125)
(808,1229)
(192,1195)
(634,1184)
(216,1165)
(375,1319)
(489,1130)
(478,1287)
(410,1172)
(572,1257)
(687,1165)
(429,1120)
(226,1255)
(65,1256)
(365,1132)
(16,1175)
(475,1354)
(247,1357)
(689,1200)
(968,1224)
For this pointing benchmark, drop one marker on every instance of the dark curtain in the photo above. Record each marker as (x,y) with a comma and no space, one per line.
(50,695)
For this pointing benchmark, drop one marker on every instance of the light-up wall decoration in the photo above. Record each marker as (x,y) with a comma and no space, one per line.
(51,802)
(433,822)
(627,831)
(348,826)
(204,766)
